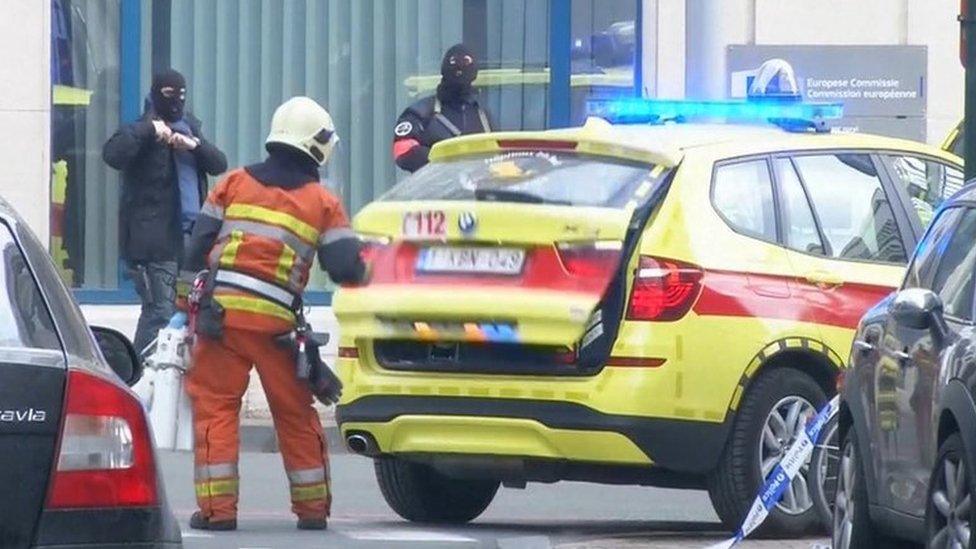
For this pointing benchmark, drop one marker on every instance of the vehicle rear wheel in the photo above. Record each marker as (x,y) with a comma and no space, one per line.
(824,466)
(418,493)
(852,527)
(949,513)
(772,414)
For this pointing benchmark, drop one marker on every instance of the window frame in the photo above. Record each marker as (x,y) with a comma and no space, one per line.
(911,264)
(901,218)
(910,237)
(970,208)
(777,224)
(780,208)
(12,229)
(885,159)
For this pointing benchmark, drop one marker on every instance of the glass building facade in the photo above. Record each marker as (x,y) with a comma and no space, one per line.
(365,60)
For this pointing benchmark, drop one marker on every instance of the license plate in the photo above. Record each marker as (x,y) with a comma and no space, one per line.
(500,261)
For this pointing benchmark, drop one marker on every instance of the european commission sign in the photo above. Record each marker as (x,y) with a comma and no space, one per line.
(883,88)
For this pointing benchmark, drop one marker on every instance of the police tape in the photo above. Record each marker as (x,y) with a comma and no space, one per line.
(782,475)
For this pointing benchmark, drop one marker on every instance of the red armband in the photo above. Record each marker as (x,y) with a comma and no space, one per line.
(404,146)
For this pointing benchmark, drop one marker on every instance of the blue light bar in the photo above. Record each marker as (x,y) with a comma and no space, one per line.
(637,111)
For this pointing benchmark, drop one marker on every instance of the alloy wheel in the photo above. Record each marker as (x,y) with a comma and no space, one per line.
(783,426)
(845,501)
(951,505)
(825,467)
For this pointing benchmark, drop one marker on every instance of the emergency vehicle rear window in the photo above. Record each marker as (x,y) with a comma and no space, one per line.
(534,177)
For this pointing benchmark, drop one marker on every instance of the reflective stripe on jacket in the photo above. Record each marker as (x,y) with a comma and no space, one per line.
(271,235)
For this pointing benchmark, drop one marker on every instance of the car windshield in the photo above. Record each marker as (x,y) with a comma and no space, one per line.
(532,176)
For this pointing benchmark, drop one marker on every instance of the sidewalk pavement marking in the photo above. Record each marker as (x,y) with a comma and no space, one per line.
(397,534)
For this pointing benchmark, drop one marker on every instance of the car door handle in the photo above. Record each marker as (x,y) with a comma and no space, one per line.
(823,278)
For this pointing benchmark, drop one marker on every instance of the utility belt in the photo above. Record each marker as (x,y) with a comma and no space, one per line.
(309,366)
(209,321)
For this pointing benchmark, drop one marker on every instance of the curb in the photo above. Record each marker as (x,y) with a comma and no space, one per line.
(261,438)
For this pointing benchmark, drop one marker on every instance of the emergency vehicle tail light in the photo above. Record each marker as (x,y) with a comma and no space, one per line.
(105,454)
(664,289)
(590,259)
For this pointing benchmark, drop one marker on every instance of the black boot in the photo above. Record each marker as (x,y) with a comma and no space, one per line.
(200,522)
(313,524)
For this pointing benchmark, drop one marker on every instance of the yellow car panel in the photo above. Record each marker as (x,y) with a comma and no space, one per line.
(545,318)
(664,383)
(507,221)
(499,437)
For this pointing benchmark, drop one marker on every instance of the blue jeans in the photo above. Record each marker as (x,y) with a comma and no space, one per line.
(155,283)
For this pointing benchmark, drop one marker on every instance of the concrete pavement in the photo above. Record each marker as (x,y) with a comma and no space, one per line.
(564,515)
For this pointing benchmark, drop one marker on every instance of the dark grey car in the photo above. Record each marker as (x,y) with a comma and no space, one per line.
(908,416)
(77,465)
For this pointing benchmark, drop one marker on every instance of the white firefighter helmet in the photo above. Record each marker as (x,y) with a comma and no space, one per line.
(303,124)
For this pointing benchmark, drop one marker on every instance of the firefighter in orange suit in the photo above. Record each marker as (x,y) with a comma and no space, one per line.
(258,234)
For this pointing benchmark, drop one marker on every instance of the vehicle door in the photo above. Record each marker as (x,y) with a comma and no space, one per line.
(743,195)
(911,452)
(847,245)
(32,377)
(880,371)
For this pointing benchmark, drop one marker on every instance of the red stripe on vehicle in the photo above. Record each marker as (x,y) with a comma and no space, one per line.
(404,146)
(737,294)
(543,270)
(348,352)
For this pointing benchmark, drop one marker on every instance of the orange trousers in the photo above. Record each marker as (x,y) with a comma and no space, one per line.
(216,383)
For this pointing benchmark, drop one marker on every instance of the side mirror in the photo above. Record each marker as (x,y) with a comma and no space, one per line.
(917,308)
(120,354)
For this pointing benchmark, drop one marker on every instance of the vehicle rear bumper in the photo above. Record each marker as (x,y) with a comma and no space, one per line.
(404,424)
(128,527)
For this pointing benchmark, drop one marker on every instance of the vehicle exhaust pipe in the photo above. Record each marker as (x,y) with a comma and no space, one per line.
(361,444)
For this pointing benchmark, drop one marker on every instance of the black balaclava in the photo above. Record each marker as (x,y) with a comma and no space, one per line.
(458,70)
(168,108)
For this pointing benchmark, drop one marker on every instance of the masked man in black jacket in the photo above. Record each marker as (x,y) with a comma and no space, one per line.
(164,161)
(452,111)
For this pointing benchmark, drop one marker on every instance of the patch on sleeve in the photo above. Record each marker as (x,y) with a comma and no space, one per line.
(403,129)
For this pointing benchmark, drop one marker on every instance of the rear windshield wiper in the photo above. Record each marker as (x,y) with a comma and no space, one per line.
(507,195)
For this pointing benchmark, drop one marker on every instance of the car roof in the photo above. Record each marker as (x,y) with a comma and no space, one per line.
(737,139)
(966,194)
(685,136)
(669,143)
(8,213)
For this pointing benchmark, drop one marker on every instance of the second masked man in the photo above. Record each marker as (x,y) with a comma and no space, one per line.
(454,110)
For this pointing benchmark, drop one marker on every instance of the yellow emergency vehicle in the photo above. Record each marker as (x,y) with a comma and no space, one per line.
(659,303)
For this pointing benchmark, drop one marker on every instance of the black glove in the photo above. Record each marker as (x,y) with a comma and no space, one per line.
(310,368)
(210,319)
(325,385)
(210,314)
